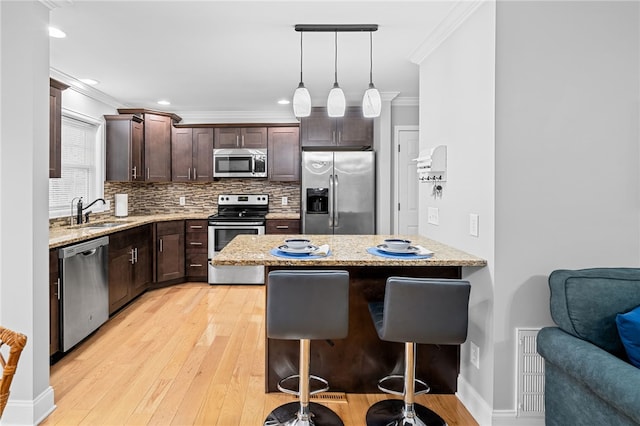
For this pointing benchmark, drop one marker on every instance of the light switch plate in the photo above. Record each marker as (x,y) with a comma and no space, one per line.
(183,201)
(473,224)
(433,215)
(285,201)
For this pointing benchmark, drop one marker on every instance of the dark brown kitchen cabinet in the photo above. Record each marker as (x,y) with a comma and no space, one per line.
(240,137)
(54,303)
(282,226)
(55,127)
(352,130)
(169,251)
(157,148)
(124,148)
(130,264)
(284,154)
(191,154)
(196,250)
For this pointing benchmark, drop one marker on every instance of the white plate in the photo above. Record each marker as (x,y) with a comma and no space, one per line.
(305,250)
(408,250)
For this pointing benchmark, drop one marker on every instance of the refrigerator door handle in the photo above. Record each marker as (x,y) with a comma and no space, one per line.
(335,197)
(331,197)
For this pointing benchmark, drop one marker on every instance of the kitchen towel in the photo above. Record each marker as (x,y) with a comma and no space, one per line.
(122,205)
(408,256)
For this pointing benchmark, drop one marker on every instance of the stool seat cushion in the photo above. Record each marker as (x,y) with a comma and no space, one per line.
(423,310)
(307,304)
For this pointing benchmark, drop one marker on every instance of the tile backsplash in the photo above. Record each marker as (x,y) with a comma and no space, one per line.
(164,197)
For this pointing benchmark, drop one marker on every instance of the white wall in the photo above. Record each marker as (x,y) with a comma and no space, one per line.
(558,184)
(457,110)
(24,226)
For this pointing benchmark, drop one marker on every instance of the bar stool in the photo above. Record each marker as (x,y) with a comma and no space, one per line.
(416,310)
(304,305)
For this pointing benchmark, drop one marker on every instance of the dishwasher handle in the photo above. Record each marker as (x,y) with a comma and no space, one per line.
(89,252)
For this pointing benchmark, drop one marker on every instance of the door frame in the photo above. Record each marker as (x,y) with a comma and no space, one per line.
(396,167)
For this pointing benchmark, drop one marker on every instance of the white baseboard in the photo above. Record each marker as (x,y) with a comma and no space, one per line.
(483,413)
(24,412)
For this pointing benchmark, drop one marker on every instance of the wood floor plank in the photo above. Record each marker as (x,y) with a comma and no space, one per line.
(190,354)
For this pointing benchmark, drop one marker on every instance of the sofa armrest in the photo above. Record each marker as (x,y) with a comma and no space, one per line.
(607,376)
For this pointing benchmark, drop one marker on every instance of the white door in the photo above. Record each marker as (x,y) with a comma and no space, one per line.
(406,141)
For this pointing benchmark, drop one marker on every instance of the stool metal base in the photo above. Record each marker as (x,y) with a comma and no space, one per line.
(391,412)
(287,415)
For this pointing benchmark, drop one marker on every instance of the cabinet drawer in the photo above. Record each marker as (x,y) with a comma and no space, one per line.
(172,227)
(196,226)
(283,226)
(196,265)
(196,242)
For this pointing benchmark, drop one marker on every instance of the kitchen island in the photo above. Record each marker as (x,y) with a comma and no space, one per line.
(355,364)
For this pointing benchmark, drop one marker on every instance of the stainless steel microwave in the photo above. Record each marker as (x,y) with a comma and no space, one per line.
(240,163)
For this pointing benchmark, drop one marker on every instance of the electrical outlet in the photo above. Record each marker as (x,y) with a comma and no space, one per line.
(474,355)
(183,201)
(473,224)
(285,201)
(433,215)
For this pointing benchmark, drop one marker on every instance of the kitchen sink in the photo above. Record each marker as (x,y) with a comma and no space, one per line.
(104,224)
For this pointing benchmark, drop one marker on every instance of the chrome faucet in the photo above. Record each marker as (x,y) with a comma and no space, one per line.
(80,209)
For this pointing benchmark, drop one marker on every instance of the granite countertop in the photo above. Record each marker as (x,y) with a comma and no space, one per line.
(346,250)
(64,235)
(283,215)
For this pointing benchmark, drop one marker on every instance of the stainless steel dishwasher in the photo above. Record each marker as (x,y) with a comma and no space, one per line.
(84,288)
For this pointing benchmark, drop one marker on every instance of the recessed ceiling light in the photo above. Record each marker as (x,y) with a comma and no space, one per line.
(89,81)
(284,101)
(56,33)
(163,102)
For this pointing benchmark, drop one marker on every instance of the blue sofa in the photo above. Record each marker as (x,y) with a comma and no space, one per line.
(588,379)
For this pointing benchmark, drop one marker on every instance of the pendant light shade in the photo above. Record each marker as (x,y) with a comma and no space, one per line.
(336,102)
(301,97)
(371,102)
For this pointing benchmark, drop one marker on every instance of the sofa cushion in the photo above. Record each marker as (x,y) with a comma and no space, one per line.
(585,303)
(629,329)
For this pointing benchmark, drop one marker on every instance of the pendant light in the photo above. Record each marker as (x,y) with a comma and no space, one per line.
(301,97)
(336,102)
(371,102)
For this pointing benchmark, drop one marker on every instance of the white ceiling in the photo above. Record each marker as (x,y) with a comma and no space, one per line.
(238,55)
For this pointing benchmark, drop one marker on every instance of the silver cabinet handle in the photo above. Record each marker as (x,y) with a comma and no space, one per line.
(196,265)
(333,137)
(148,173)
(132,260)
(189,174)
(195,174)
(160,245)
(195,243)
(195,226)
(282,226)
(243,141)
(135,251)
(237,140)
(339,138)
(58,290)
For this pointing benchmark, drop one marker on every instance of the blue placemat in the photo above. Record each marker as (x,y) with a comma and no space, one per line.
(403,256)
(278,253)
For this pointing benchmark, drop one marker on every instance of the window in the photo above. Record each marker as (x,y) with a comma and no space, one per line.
(81,171)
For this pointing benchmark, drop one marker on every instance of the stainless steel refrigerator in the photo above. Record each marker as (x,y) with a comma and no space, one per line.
(338,192)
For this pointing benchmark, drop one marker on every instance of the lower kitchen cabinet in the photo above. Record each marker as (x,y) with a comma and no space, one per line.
(196,250)
(169,251)
(129,265)
(54,302)
(283,226)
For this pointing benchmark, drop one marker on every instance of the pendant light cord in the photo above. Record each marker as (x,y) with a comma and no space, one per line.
(370,58)
(336,58)
(300,57)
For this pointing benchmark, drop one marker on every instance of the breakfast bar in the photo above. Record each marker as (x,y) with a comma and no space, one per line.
(356,363)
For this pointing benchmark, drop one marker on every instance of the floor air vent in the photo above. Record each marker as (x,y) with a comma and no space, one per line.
(530,375)
(332,397)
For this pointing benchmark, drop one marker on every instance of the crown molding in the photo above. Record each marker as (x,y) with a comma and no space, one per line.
(53,4)
(458,13)
(78,86)
(406,101)
(199,117)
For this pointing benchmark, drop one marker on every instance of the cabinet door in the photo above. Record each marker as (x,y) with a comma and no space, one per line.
(202,155)
(124,148)
(54,303)
(227,137)
(354,129)
(253,137)
(170,250)
(157,148)
(142,272)
(137,151)
(55,132)
(181,154)
(121,261)
(284,154)
(318,129)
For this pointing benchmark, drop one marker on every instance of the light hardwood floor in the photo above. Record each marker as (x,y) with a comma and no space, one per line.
(190,354)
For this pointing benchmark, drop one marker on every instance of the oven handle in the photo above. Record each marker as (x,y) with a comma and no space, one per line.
(227,225)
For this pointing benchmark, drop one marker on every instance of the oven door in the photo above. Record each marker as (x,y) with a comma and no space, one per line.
(219,235)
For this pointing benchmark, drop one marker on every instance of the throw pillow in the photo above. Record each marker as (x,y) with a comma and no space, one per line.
(629,330)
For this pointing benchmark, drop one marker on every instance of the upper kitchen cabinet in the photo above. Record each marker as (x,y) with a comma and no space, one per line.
(240,137)
(321,131)
(55,127)
(284,154)
(125,148)
(191,154)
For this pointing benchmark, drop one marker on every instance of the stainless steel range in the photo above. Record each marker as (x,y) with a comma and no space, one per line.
(237,214)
